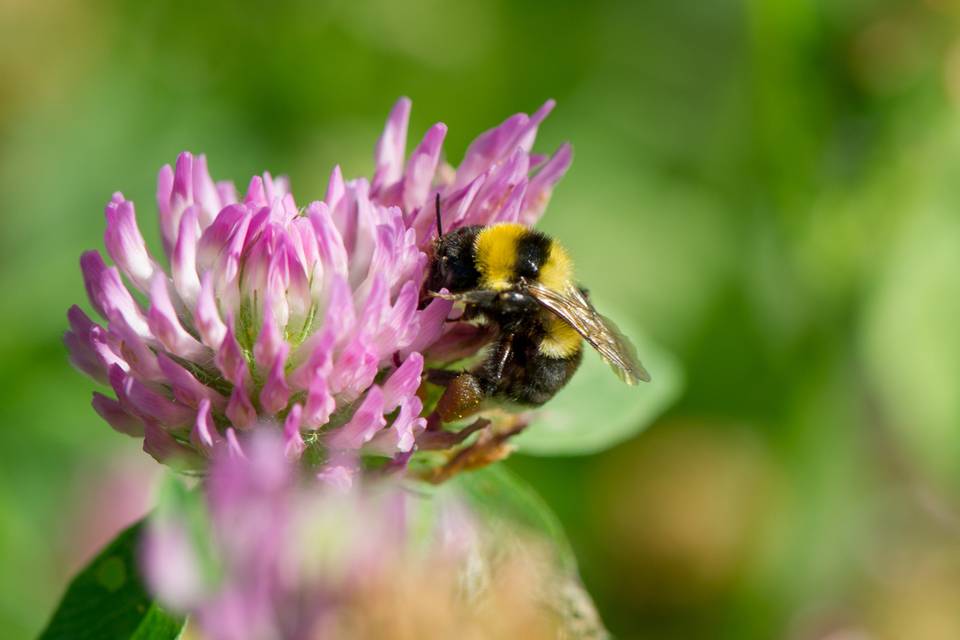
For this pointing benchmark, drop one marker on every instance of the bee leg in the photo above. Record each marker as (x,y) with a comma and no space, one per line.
(465,394)
(494,366)
(469,313)
(441,377)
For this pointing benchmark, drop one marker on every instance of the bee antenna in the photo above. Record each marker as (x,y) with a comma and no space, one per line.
(439,223)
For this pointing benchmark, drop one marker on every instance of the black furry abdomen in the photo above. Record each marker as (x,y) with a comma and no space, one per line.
(531,378)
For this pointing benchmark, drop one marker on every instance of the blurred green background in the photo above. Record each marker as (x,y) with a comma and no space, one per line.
(770,188)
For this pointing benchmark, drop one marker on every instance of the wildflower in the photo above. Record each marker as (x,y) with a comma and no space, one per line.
(277,558)
(309,318)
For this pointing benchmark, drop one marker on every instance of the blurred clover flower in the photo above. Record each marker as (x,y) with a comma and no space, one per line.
(267,556)
(309,318)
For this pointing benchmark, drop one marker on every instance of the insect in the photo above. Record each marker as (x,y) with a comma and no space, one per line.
(520,282)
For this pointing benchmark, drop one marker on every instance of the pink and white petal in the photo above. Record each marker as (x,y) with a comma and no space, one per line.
(402,433)
(402,383)
(319,360)
(206,316)
(215,237)
(275,393)
(292,440)
(382,262)
(418,177)
(270,341)
(529,133)
(355,369)
(454,207)
(304,242)
(89,349)
(490,147)
(229,358)
(320,404)
(228,263)
(147,404)
(339,320)
(364,240)
(164,448)
(288,205)
(183,262)
(108,295)
(541,185)
(138,357)
(336,188)
(296,298)
(174,194)
(330,245)
(431,322)
(165,324)
(376,307)
(402,326)
(261,219)
(344,213)
(340,471)
(411,265)
(172,567)
(256,195)
(240,409)
(234,449)
(125,243)
(392,147)
(466,201)
(164,191)
(365,423)
(204,435)
(510,211)
(84,357)
(80,322)
(165,207)
(537,160)
(275,189)
(187,389)
(116,416)
(227,191)
(460,341)
(183,179)
(497,186)
(205,193)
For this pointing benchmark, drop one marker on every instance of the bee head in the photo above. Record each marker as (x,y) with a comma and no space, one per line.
(453,266)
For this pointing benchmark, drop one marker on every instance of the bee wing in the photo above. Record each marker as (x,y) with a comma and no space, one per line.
(602,334)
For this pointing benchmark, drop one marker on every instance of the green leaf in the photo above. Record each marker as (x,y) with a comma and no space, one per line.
(500,495)
(596,411)
(108,599)
(508,506)
(910,342)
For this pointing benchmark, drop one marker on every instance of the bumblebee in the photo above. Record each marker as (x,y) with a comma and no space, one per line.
(520,282)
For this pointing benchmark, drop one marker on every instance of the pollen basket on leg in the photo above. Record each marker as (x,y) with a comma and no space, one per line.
(496,254)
